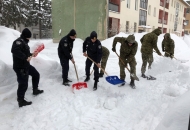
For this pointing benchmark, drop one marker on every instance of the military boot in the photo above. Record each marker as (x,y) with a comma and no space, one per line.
(22,102)
(95,86)
(144,76)
(67,80)
(132,84)
(87,79)
(37,91)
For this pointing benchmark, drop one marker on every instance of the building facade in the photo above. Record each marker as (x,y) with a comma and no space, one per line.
(145,15)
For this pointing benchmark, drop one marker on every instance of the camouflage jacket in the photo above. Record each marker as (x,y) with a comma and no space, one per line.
(126,51)
(105,51)
(149,42)
(168,44)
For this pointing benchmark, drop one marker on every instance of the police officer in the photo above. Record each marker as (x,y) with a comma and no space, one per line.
(105,55)
(149,42)
(21,65)
(128,51)
(168,46)
(65,54)
(93,48)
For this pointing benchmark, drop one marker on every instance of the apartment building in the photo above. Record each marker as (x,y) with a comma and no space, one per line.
(187,27)
(145,15)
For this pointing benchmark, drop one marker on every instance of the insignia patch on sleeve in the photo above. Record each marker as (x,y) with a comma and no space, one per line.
(18,42)
(99,46)
(65,44)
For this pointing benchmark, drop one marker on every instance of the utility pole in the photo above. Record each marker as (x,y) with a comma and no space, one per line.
(163,15)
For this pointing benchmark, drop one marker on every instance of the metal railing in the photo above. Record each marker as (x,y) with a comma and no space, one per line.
(113,7)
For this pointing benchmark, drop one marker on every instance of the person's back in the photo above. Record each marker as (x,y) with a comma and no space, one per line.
(168,45)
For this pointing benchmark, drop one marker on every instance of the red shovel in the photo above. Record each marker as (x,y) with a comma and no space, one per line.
(39,49)
(78,85)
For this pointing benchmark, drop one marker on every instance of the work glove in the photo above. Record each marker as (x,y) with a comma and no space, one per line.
(113,49)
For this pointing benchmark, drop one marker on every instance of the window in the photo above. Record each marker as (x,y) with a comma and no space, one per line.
(128,4)
(135,27)
(143,4)
(136,4)
(127,26)
(142,17)
(154,11)
(149,9)
(187,21)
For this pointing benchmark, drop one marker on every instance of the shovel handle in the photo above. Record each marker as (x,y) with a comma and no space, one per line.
(76,72)
(123,62)
(169,54)
(97,65)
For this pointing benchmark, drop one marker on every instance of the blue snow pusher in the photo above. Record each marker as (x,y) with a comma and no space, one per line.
(114,80)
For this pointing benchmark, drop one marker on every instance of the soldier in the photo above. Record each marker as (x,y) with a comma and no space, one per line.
(105,55)
(65,54)
(168,46)
(149,42)
(21,65)
(128,51)
(93,48)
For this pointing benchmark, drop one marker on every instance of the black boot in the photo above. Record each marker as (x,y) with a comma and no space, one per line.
(37,91)
(101,75)
(121,85)
(87,79)
(67,80)
(22,102)
(132,84)
(144,76)
(95,86)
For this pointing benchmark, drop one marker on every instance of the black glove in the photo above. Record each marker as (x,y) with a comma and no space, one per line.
(163,49)
(113,49)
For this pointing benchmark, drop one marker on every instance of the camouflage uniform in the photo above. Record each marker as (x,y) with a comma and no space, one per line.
(105,54)
(168,46)
(127,54)
(149,42)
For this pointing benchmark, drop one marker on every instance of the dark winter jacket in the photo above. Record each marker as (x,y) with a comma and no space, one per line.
(94,50)
(149,42)
(65,48)
(20,52)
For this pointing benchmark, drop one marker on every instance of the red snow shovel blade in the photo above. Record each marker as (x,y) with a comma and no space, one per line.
(39,48)
(79,85)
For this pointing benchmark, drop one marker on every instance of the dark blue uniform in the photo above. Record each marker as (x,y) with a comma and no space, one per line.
(94,51)
(65,53)
(20,52)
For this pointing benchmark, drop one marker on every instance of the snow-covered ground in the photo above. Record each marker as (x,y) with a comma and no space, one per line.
(161,104)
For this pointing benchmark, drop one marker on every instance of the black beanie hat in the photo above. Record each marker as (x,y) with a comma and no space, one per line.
(26,33)
(93,34)
(72,32)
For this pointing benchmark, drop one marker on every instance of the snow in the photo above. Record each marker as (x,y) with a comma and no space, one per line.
(161,104)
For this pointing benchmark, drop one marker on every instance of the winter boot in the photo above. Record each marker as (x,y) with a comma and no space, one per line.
(132,84)
(87,79)
(95,86)
(67,80)
(101,75)
(37,91)
(144,76)
(121,84)
(22,102)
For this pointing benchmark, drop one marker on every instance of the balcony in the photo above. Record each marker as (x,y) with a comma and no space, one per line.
(160,21)
(113,7)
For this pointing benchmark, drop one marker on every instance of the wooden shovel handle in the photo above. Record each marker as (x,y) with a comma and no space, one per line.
(123,62)
(97,65)
(76,72)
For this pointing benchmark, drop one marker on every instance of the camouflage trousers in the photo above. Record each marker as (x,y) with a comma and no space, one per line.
(132,65)
(146,58)
(105,55)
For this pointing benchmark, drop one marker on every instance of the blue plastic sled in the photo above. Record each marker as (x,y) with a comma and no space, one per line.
(114,80)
